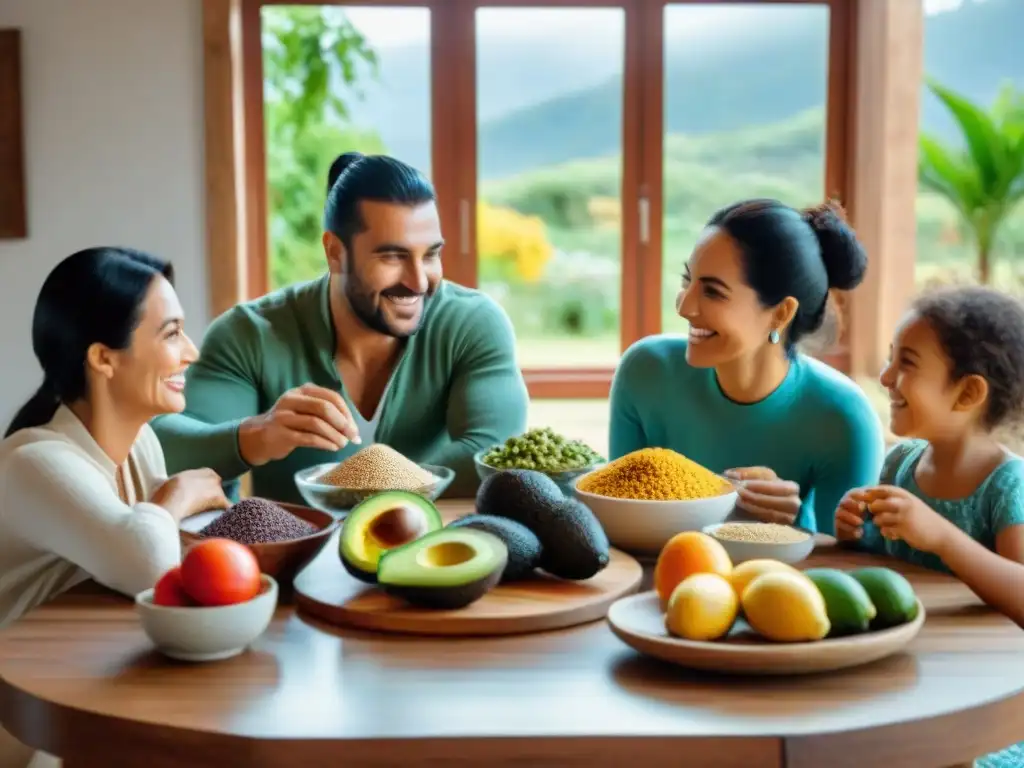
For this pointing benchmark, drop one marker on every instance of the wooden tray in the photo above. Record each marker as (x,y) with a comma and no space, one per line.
(639,622)
(324,590)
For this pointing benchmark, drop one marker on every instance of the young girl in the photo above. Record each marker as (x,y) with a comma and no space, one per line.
(951,497)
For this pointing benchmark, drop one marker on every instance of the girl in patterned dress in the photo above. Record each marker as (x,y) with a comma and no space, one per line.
(951,496)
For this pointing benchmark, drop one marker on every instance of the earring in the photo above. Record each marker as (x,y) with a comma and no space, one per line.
(773,337)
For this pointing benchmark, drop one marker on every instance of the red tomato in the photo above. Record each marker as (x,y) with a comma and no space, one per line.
(220,572)
(170,591)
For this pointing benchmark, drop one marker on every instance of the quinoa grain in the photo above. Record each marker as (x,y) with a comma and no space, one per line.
(377,467)
(760,533)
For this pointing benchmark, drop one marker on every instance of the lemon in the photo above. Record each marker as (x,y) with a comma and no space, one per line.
(785,607)
(747,571)
(702,607)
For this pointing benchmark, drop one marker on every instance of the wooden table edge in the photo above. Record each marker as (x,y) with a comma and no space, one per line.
(951,738)
(69,732)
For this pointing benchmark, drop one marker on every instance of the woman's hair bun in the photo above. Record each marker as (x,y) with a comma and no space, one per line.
(341,162)
(845,258)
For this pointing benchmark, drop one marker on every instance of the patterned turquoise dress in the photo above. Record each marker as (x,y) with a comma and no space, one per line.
(996,504)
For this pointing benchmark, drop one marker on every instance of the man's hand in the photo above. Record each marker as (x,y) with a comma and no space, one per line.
(765,496)
(305,417)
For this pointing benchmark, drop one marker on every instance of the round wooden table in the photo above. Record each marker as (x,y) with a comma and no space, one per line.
(81,680)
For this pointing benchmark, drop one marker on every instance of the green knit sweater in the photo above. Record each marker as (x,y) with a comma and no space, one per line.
(456,389)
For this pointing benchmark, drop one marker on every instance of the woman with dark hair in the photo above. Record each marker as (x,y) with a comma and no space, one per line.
(83,488)
(736,395)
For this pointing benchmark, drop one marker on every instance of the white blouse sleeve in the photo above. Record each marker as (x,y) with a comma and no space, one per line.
(153,456)
(56,500)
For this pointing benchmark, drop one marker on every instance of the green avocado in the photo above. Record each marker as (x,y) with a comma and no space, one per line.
(847,603)
(573,543)
(524,549)
(380,523)
(892,594)
(506,492)
(445,569)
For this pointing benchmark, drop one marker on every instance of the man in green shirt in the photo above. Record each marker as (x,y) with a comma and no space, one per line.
(380,349)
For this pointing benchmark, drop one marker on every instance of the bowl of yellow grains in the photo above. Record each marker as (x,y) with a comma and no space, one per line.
(336,487)
(646,497)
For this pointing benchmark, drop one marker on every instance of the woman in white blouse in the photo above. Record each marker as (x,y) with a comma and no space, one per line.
(84,491)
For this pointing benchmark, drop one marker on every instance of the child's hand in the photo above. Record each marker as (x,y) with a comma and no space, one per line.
(899,514)
(850,516)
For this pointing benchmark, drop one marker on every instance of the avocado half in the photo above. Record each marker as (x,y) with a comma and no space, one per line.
(445,569)
(381,523)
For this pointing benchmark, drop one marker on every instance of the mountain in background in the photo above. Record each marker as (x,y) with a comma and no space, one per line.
(549,104)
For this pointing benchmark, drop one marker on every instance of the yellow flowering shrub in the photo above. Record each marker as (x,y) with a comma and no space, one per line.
(605,211)
(518,242)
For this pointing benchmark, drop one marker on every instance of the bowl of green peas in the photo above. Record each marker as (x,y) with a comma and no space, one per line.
(542,450)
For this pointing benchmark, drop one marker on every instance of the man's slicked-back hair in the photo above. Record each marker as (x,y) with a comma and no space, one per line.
(355,177)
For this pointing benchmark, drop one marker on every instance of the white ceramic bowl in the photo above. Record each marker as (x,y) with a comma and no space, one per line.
(643,527)
(739,551)
(207,633)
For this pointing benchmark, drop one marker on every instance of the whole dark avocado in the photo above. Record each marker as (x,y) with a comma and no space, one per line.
(578,547)
(504,492)
(573,543)
(524,549)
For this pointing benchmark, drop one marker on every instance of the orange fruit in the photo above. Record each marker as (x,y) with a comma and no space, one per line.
(685,554)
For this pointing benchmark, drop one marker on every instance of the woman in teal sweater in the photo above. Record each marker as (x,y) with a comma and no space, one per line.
(736,395)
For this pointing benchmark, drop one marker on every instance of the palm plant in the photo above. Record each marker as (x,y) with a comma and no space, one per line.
(984,179)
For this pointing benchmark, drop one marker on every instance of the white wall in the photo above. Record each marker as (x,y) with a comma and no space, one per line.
(113,104)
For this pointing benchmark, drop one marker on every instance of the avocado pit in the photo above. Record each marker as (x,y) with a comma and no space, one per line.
(397,526)
(381,523)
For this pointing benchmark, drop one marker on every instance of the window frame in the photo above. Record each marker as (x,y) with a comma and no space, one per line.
(453,136)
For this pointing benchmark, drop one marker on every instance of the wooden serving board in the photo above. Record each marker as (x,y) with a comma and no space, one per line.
(325,590)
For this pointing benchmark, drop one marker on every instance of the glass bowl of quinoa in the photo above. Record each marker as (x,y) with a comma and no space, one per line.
(542,450)
(336,487)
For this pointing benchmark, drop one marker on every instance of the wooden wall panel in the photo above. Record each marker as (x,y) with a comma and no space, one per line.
(888,53)
(225,169)
(13,197)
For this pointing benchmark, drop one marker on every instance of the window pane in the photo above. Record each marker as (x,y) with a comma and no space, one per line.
(373,64)
(745,93)
(973,50)
(549,117)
